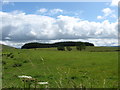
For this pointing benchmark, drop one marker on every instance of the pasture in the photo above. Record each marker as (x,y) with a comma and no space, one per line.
(95,67)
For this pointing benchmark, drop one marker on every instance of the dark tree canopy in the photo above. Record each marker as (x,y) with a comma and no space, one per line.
(61,48)
(68,48)
(45,45)
(80,46)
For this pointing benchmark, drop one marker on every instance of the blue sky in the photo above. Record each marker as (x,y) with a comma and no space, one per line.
(94,22)
(85,10)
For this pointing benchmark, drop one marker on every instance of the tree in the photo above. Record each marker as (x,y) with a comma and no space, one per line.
(68,48)
(80,46)
(61,48)
(83,46)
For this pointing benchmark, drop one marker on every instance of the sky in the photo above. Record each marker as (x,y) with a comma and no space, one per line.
(49,22)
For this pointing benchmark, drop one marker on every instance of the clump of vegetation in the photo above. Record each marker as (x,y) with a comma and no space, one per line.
(80,46)
(17,65)
(68,48)
(12,56)
(5,68)
(73,77)
(18,52)
(25,61)
(8,55)
(3,62)
(61,48)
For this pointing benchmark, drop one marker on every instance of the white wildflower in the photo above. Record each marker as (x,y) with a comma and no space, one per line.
(42,82)
(25,76)
(42,59)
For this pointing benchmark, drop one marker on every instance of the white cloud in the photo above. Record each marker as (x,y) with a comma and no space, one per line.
(107,11)
(6,2)
(100,17)
(49,12)
(113,16)
(54,11)
(114,2)
(42,10)
(19,27)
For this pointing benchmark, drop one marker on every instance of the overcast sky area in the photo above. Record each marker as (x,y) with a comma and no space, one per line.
(48,22)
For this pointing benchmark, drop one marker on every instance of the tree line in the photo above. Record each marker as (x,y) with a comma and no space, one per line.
(78,45)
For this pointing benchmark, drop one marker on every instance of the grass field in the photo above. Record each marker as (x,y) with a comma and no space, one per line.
(96,67)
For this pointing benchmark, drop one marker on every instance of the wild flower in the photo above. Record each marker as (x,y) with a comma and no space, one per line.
(42,59)
(42,83)
(28,80)
(23,76)
(104,83)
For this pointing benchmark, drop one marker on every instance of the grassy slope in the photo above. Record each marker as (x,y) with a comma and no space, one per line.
(63,68)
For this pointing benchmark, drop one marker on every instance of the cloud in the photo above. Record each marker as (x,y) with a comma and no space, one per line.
(113,16)
(114,2)
(22,27)
(100,17)
(107,12)
(42,10)
(49,12)
(55,11)
(6,2)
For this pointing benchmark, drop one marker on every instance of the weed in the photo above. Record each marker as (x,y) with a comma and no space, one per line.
(25,61)
(4,63)
(73,77)
(17,65)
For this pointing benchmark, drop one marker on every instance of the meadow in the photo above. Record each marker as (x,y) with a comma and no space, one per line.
(95,67)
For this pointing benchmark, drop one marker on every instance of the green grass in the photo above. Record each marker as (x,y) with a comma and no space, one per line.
(96,67)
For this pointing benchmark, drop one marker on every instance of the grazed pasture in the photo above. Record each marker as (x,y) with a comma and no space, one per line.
(96,67)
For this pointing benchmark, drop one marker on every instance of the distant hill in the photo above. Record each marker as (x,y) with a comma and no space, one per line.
(45,45)
(6,47)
